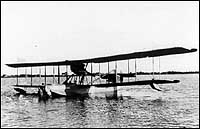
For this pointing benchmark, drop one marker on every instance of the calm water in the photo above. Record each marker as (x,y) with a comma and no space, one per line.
(140,106)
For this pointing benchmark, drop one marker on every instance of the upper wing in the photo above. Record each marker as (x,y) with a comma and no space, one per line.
(38,64)
(152,53)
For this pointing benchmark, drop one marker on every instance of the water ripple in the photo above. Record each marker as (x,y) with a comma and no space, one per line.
(139,107)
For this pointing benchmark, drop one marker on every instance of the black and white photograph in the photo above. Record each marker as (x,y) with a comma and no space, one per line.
(99,64)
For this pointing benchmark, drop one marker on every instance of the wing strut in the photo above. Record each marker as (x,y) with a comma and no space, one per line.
(115,71)
(108,70)
(66,72)
(135,71)
(26,73)
(53,74)
(159,67)
(115,87)
(99,72)
(58,74)
(128,69)
(17,76)
(31,77)
(153,66)
(45,74)
(40,74)
(91,73)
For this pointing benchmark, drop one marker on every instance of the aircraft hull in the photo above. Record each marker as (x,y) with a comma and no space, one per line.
(77,90)
(69,90)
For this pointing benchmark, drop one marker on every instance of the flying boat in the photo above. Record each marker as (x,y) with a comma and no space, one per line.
(81,80)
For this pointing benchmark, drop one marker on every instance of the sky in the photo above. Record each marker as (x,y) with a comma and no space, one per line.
(35,31)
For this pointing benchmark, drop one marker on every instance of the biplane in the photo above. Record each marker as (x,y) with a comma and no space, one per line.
(80,81)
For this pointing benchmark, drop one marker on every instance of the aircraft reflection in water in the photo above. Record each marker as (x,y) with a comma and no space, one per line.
(79,83)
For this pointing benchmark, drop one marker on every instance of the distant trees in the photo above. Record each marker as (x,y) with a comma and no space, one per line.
(168,72)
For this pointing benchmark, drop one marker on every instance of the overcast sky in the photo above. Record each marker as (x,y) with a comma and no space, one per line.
(56,31)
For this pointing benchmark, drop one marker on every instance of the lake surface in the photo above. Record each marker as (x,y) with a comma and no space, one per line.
(138,106)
